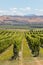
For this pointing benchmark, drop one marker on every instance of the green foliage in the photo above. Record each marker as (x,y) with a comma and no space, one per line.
(41,40)
(7,38)
(34,44)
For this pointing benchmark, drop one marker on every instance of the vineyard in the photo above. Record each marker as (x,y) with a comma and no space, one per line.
(17,44)
(35,41)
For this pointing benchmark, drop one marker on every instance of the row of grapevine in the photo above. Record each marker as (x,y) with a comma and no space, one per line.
(34,44)
(35,32)
(8,38)
(17,44)
(5,40)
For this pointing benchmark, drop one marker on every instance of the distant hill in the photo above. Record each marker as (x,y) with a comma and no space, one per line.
(28,20)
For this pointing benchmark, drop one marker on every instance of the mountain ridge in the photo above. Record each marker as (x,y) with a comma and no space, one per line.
(33,18)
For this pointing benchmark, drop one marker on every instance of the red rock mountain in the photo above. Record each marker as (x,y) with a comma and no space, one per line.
(21,18)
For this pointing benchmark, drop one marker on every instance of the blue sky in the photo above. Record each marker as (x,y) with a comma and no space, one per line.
(21,7)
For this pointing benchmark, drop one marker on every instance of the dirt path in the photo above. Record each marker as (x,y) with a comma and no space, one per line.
(38,62)
(21,54)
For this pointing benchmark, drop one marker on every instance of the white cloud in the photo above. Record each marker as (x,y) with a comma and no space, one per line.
(21,11)
(28,8)
(36,9)
(41,10)
(13,8)
(25,9)
(1,11)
